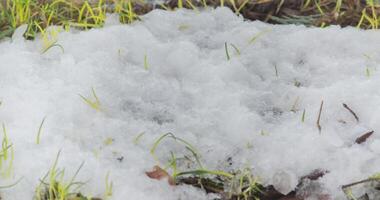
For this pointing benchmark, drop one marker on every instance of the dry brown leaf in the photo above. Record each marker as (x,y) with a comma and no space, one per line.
(363,137)
(158,173)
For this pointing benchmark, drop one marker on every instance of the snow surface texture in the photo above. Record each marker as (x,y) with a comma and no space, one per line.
(239,108)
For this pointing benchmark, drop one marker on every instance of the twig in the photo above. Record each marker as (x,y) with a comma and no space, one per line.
(319,117)
(351,111)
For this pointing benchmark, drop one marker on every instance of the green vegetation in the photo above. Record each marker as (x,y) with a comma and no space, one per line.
(38,138)
(137,138)
(109,187)
(226,50)
(55,186)
(146,64)
(6,155)
(241,184)
(40,14)
(95,104)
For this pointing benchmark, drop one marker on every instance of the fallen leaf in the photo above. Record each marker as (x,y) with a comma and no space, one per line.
(364,137)
(158,173)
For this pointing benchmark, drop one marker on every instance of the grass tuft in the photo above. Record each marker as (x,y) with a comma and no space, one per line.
(238,185)
(95,104)
(54,185)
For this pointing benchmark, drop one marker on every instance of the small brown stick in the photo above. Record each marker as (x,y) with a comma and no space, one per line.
(363,137)
(351,111)
(319,118)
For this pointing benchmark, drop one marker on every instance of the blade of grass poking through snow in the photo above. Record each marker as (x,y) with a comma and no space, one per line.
(56,188)
(192,149)
(95,96)
(52,176)
(303,116)
(11,185)
(53,45)
(155,145)
(6,149)
(93,104)
(171,135)
(146,65)
(367,72)
(137,138)
(8,172)
(237,50)
(109,187)
(39,131)
(5,144)
(195,156)
(72,180)
(259,34)
(172,163)
(226,49)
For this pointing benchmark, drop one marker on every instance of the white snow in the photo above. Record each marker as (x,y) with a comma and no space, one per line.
(235,108)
